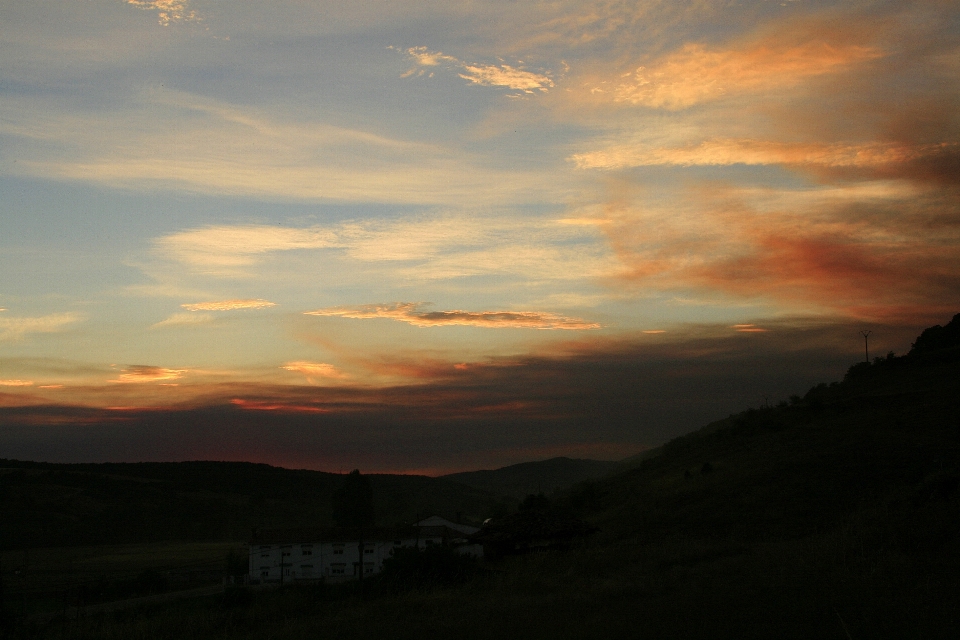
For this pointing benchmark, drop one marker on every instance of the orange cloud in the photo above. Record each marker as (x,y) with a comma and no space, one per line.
(229,305)
(780,60)
(748,328)
(312,370)
(409,312)
(139,374)
(16,383)
(890,257)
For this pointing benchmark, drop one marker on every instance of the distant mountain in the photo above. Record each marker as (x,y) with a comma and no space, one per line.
(47,504)
(546,476)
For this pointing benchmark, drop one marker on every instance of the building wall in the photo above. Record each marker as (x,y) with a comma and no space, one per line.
(332,561)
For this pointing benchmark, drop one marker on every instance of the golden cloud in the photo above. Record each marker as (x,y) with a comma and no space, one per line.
(16,383)
(229,305)
(410,313)
(139,374)
(488,75)
(168,11)
(760,152)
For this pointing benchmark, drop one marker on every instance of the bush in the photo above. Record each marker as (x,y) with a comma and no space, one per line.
(412,568)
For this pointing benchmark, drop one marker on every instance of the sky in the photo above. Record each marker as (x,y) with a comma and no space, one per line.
(436,236)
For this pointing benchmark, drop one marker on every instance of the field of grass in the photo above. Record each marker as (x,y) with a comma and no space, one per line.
(41,581)
(834,585)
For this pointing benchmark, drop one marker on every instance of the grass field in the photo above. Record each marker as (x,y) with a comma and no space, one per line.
(39,581)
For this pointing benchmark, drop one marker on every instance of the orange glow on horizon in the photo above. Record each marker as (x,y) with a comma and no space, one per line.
(259,405)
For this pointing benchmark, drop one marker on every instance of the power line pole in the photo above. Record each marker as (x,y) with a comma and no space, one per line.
(866,349)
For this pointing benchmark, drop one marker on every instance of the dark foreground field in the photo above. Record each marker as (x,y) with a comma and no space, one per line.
(832,515)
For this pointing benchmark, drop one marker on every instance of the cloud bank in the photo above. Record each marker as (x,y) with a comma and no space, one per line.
(412,313)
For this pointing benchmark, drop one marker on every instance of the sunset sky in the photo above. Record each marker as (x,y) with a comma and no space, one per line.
(437,235)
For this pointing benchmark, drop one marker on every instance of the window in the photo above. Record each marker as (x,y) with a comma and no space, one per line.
(307,551)
(368,550)
(367,567)
(338,549)
(338,569)
(306,570)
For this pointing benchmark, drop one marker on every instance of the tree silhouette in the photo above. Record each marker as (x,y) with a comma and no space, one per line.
(353,501)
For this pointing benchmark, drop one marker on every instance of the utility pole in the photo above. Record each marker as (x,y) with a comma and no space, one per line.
(866,349)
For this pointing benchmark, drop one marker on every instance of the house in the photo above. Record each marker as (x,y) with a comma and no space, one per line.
(454,534)
(330,554)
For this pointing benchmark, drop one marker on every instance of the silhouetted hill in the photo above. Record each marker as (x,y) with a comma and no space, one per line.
(885,440)
(546,476)
(47,504)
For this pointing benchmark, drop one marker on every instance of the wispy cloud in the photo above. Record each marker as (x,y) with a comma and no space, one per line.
(222,148)
(183,319)
(431,248)
(224,249)
(229,305)
(489,75)
(139,374)
(16,328)
(412,313)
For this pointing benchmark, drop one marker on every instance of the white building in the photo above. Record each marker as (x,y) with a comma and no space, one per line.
(291,555)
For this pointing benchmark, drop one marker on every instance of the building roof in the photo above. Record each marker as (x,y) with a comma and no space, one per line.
(314,535)
(437,521)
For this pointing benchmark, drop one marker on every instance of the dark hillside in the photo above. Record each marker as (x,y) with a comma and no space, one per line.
(546,476)
(832,515)
(889,432)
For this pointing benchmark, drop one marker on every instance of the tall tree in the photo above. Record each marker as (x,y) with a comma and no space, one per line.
(353,501)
